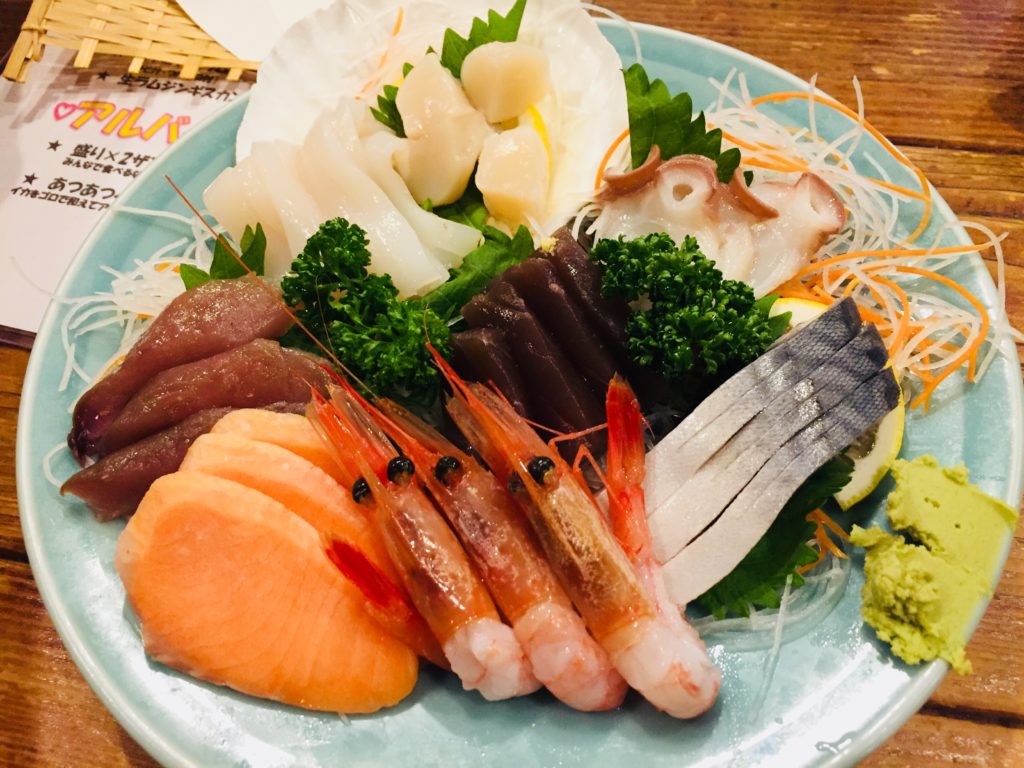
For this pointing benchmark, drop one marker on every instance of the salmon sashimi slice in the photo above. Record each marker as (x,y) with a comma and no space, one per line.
(302,487)
(233,588)
(287,430)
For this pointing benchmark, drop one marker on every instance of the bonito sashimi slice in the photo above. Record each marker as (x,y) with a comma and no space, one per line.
(233,588)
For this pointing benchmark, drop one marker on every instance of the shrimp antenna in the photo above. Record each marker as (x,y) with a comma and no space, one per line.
(266,286)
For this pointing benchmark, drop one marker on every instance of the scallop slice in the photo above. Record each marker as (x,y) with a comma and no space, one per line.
(513,175)
(332,173)
(445,134)
(502,79)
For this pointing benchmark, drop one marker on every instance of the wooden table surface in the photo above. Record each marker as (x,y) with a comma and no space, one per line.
(945,81)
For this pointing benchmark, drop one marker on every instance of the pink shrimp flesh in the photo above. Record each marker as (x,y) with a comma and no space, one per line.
(667,652)
(441,583)
(565,658)
(666,667)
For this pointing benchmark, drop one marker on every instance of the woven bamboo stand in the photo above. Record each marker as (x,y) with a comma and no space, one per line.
(154,30)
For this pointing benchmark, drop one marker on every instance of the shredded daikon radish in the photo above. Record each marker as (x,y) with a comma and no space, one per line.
(807,608)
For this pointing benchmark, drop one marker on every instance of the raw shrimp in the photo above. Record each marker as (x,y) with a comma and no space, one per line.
(683,660)
(565,658)
(441,583)
(668,665)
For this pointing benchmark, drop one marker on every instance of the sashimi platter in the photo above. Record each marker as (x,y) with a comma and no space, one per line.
(507,383)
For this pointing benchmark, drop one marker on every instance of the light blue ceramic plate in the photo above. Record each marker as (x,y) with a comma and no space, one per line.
(836,694)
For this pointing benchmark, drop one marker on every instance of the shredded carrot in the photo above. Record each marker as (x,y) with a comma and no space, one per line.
(824,524)
(607,158)
(384,56)
(816,266)
(926,195)
(902,331)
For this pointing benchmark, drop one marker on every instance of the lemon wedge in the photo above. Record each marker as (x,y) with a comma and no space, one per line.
(802,310)
(873,452)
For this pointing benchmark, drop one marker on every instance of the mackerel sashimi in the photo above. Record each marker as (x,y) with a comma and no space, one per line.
(232,587)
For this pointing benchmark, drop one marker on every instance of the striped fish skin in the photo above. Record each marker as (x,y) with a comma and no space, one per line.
(705,494)
(743,396)
(720,548)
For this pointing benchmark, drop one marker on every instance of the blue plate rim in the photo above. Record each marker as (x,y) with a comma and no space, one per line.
(147,732)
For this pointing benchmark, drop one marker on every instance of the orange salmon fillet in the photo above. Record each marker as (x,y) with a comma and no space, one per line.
(233,588)
(302,487)
(287,430)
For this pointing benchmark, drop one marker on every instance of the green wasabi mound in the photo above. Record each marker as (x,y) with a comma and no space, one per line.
(920,596)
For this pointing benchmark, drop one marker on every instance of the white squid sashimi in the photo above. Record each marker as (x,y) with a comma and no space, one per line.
(275,164)
(740,229)
(447,241)
(332,173)
(237,198)
(580,117)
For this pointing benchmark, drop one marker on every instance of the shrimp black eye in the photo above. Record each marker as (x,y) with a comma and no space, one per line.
(400,469)
(446,469)
(540,467)
(360,490)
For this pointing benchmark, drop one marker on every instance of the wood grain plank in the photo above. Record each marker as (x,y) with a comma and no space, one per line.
(935,741)
(12,373)
(50,715)
(933,73)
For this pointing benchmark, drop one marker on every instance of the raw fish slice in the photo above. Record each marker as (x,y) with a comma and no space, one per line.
(209,319)
(720,548)
(536,280)
(253,374)
(699,499)
(245,193)
(302,487)
(114,485)
(563,400)
(226,197)
(482,354)
(447,241)
(233,588)
(276,166)
(331,170)
(583,279)
(287,430)
(743,396)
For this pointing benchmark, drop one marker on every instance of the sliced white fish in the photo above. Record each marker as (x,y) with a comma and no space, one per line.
(680,453)
(702,497)
(719,549)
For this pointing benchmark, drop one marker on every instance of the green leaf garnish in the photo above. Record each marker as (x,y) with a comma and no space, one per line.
(468,209)
(760,576)
(497,253)
(224,266)
(656,117)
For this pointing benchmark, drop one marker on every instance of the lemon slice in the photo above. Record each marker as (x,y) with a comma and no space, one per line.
(874,451)
(802,310)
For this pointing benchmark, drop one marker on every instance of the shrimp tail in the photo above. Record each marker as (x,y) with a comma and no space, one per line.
(385,601)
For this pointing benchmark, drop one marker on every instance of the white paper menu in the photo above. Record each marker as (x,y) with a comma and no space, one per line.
(71,141)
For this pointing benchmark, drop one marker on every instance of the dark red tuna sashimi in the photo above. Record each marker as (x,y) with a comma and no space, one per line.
(249,376)
(482,354)
(560,398)
(536,280)
(207,320)
(114,485)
